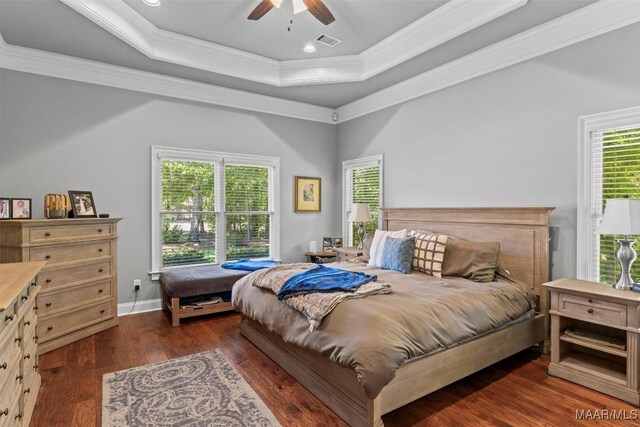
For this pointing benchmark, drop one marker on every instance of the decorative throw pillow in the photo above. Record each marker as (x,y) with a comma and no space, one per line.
(377,245)
(398,254)
(429,253)
(475,261)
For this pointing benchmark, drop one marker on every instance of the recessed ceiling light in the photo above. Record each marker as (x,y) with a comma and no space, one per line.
(151,2)
(309,48)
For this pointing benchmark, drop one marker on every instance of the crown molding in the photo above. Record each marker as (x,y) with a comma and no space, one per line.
(65,67)
(454,18)
(582,24)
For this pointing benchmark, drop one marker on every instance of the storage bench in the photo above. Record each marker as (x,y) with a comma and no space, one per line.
(187,283)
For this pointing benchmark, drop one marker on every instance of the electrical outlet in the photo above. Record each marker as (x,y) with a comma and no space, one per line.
(136,285)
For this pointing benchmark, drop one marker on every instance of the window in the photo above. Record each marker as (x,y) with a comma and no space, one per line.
(610,168)
(362,183)
(211,207)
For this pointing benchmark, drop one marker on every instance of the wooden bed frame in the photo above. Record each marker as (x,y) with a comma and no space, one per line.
(523,234)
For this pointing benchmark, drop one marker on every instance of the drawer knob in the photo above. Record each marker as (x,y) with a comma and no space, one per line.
(18,417)
(100,291)
(27,323)
(19,377)
(3,366)
(5,412)
(35,367)
(100,250)
(27,390)
(8,318)
(34,283)
(590,311)
(35,308)
(99,230)
(28,356)
(17,339)
(47,257)
(590,300)
(100,270)
(24,297)
(50,328)
(48,280)
(102,311)
(47,234)
(35,339)
(48,304)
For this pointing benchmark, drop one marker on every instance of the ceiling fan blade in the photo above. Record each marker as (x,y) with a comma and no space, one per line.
(260,10)
(320,11)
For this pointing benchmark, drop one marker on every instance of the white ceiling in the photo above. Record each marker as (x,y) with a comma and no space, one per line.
(359,24)
(50,25)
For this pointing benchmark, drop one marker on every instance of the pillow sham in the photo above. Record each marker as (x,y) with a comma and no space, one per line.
(475,261)
(366,247)
(398,254)
(377,245)
(429,252)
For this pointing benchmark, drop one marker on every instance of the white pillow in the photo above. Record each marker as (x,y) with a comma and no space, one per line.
(377,246)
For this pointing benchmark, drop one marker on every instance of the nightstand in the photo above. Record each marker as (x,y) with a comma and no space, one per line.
(347,254)
(594,337)
(319,257)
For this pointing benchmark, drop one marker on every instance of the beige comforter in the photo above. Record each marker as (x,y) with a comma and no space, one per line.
(376,335)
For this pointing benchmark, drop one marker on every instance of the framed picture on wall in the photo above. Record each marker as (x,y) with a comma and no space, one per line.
(82,204)
(21,208)
(5,208)
(307,194)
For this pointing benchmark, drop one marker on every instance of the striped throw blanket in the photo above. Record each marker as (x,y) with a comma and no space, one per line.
(314,305)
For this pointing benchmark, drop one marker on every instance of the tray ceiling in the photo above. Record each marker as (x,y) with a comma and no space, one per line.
(52,26)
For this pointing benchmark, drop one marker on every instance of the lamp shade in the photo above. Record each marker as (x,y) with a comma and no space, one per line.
(621,216)
(360,213)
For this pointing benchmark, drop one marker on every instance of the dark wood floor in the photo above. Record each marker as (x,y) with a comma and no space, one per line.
(513,392)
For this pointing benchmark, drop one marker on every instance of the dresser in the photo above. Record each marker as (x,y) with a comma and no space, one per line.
(79,282)
(594,337)
(19,377)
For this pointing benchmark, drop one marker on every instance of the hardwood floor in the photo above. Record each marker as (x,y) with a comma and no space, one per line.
(514,392)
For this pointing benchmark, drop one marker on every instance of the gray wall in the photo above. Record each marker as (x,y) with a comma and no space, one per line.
(508,138)
(57,135)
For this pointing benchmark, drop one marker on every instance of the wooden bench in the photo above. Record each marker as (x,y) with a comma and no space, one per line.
(193,282)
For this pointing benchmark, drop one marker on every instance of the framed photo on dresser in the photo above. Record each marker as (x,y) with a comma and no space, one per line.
(20,208)
(5,208)
(82,204)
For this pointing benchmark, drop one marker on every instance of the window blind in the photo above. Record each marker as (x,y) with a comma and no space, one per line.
(187,211)
(363,184)
(615,173)
(248,194)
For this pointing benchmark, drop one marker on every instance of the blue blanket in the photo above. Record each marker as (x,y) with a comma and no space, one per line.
(323,279)
(249,265)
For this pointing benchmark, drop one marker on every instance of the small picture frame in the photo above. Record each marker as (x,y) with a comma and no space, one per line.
(20,208)
(337,242)
(307,194)
(5,208)
(82,204)
(327,243)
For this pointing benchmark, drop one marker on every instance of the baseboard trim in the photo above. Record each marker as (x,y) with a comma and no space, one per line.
(140,307)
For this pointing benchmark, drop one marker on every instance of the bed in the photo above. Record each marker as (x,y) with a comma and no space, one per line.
(523,236)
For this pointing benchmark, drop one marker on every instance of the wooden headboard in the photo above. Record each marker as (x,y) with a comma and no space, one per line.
(523,234)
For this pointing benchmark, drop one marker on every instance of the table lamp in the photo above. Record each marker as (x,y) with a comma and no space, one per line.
(622,216)
(360,213)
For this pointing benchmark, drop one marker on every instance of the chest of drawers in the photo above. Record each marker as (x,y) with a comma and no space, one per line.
(19,377)
(79,282)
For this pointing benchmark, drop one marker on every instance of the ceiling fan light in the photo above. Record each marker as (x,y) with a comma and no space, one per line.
(298,6)
(277,3)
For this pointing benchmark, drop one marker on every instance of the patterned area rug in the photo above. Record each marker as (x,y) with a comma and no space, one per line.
(198,390)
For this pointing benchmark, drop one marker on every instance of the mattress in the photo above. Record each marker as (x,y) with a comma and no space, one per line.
(374,336)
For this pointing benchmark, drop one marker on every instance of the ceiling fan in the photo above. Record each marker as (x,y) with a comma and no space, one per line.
(315,7)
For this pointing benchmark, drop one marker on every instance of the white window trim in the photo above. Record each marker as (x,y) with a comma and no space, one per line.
(362,162)
(587,124)
(159,153)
